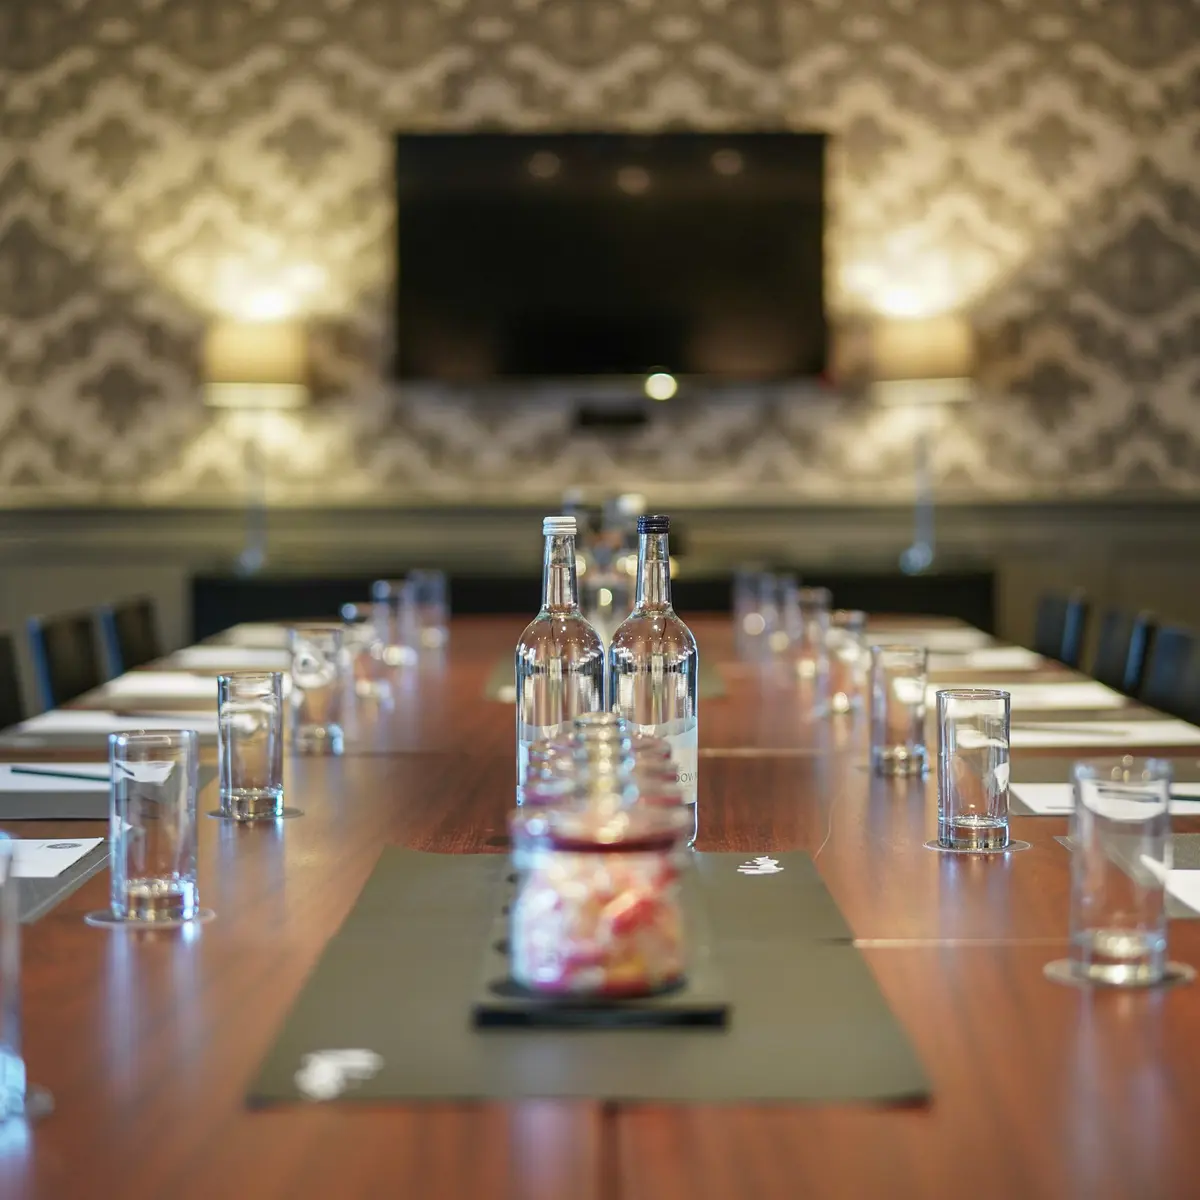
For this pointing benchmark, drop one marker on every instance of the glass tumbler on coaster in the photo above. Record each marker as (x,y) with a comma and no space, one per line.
(973,736)
(318,689)
(899,675)
(250,745)
(364,650)
(808,648)
(1120,857)
(431,596)
(845,662)
(18,1098)
(152,830)
(394,613)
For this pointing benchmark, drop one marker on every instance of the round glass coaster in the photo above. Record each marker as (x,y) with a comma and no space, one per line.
(286,815)
(103,917)
(1062,970)
(1012,845)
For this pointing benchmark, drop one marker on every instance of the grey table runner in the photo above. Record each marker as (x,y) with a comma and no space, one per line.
(36,897)
(70,806)
(386,1013)
(1185,856)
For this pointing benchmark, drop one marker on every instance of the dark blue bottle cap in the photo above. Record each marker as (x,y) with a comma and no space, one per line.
(655,524)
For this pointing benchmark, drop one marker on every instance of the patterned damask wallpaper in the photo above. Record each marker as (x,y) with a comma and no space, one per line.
(1034,162)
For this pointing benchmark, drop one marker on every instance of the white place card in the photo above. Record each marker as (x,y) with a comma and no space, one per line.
(1044,697)
(53,777)
(44,858)
(1058,799)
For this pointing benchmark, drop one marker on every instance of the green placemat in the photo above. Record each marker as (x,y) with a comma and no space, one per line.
(1185,856)
(386,1013)
(501,682)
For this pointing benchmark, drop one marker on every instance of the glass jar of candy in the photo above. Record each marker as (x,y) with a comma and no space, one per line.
(598,911)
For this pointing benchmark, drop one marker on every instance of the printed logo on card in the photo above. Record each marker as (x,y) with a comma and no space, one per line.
(760,866)
(326,1074)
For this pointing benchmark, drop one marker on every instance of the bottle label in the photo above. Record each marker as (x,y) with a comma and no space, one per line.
(685,746)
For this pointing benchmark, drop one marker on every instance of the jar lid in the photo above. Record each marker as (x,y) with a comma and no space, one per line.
(604,830)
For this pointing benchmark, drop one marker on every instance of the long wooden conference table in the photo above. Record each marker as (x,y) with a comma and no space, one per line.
(148,1040)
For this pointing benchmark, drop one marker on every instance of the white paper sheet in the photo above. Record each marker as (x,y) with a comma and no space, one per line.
(44,858)
(948,641)
(1185,886)
(1044,697)
(258,635)
(78,720)
(178,685)
(1116,734)
(212,658)
(989,658)
(15,781)
(1058,799)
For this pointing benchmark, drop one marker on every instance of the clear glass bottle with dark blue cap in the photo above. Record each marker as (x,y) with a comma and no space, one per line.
(653,660)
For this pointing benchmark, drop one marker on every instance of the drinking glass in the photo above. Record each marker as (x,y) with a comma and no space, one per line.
(364,653)
(394,614)
(317,689)
(432,600)
(152,828)
(809,647)
(973,769)
(899,675)
(1120,856)
(250,745)
(750,624)
(845,661)
(17,1097)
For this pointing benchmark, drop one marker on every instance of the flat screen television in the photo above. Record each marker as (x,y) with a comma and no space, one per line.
(607,256)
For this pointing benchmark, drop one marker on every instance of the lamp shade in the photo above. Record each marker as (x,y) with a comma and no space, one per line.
(256,365)
(927,348)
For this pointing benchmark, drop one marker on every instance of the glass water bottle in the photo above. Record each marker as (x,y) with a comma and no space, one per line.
(653,660)
(560,657)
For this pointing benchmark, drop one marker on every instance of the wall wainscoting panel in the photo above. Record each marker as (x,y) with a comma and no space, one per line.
(1033,162)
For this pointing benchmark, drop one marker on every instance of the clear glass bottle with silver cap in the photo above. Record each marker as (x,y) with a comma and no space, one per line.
(560,657)
(653,661)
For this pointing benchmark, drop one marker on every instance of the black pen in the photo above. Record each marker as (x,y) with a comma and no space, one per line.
(59,774)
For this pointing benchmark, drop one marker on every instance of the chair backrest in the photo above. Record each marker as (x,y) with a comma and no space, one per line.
(1172,680)
(1121,651)
(1061,624)
(130,634)
(12,708)
(66,656)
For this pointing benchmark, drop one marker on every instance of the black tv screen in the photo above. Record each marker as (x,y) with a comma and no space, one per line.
(560,256)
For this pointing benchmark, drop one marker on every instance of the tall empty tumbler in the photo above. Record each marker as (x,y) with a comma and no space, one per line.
(845,662)
(1120,856)
(431,597)
(250,745)
(395,616)
(318,689)
(808,648)
(152,826)
(899,675)
(973,734)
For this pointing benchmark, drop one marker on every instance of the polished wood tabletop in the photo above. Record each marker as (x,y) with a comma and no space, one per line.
(149,1040)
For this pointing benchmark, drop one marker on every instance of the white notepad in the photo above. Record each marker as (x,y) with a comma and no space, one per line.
(12,780)
(989,658)
(258,636)
(1118,735)
(178,685)
(44,858)
(948,641)
(211,658)
(79,720)
(1044,696)
(1058,799)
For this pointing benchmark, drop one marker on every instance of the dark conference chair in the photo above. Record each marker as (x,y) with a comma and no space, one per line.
(1172,682)
(66,657)
(1121,652)
(1061,623)
(130,635)
(12,708)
